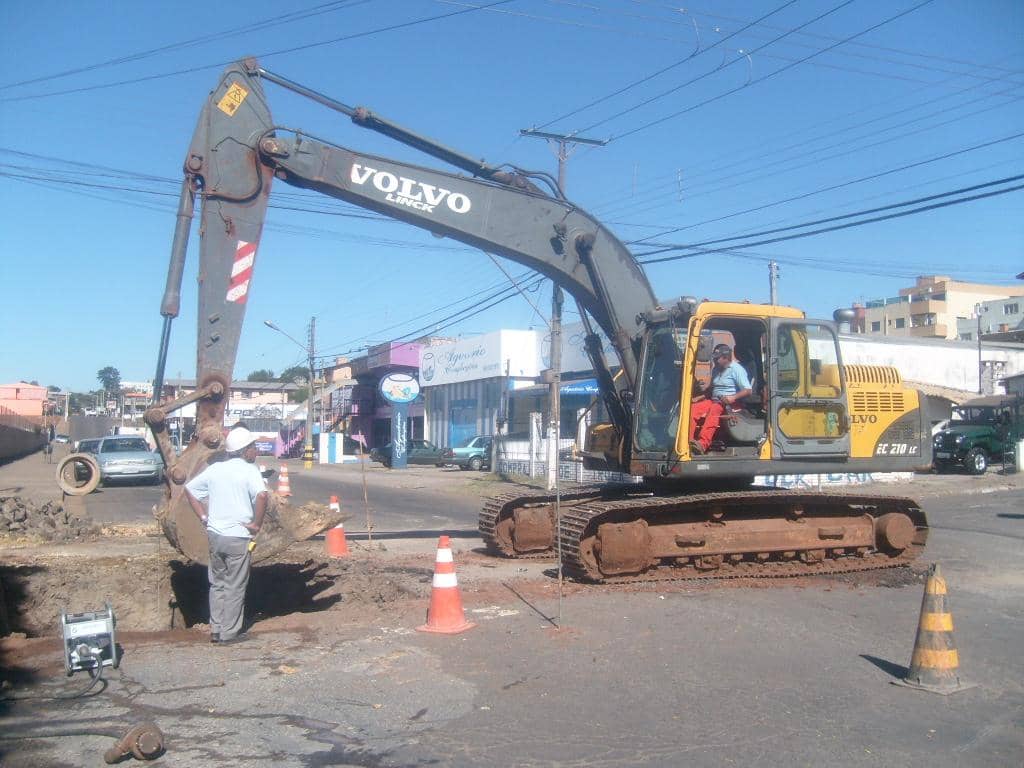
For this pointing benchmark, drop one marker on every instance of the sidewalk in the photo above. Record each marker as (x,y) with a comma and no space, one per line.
(32,477)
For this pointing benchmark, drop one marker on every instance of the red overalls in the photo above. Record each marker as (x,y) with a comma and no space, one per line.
(711,412)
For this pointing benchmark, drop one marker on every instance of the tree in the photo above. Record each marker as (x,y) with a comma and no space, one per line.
(294,374)
(263,374)
(110,378)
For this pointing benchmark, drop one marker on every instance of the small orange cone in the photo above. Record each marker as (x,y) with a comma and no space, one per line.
(445,614)
(336,544)
(284,488)
(934,662)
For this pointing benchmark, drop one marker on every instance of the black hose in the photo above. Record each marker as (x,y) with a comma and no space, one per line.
(96,673)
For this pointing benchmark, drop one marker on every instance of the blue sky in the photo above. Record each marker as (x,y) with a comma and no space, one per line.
(724,120)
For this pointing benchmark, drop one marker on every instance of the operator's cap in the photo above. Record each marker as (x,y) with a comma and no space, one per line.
(238,438)
(721,349)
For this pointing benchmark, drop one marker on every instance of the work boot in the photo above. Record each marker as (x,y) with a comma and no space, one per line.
(696,448)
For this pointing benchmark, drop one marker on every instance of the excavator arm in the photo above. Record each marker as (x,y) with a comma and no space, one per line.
(235,154)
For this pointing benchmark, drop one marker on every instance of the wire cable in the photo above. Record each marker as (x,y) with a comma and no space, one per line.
(934,206)
(264,55)
(663,70)
(770,75)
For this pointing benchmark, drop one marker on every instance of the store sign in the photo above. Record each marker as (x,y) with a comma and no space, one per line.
(585,387)
(234,414)
(512,353)
(574,350)
(399,388)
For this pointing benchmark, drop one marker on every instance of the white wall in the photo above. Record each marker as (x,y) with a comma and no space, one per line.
(944,363)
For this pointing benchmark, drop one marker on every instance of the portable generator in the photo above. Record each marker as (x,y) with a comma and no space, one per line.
(89,642)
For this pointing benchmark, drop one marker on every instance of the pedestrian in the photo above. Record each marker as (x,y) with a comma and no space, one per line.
(729,384)
(230,499)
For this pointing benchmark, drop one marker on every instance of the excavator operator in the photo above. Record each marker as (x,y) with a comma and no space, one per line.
(729,385)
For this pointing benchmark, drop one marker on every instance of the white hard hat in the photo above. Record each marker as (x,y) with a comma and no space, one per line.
(238,438)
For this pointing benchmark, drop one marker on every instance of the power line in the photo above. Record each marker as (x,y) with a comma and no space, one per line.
(745,179)
(265,55)
(218,36)
(770,75)
(663,70)
(841,185)
(763,148)
(837,227)
(871,46)
(866,212)
(744,54)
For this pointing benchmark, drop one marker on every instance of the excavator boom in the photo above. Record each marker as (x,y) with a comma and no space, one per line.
(811,414)
(236,153)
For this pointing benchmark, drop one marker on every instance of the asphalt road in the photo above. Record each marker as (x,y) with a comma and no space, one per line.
(417,500)
(708,675)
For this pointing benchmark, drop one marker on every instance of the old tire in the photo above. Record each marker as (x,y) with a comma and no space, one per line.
(976,462)
(66,474)
(476,463)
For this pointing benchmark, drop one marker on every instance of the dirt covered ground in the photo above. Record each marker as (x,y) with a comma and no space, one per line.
(67,563)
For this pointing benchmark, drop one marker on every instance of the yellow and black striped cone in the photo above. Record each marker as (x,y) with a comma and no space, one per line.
(934,664)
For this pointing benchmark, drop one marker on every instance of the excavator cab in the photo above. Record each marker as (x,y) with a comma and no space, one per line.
(797,407)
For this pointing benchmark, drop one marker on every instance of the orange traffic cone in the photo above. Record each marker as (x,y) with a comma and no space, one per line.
(445,614)
(934,662)
(336,544)
(284,488)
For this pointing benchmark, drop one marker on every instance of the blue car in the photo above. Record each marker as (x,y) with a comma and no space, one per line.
(475,454)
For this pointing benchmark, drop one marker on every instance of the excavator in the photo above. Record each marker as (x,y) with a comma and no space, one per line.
(686,513)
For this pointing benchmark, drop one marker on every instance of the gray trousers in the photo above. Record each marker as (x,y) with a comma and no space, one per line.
(229,576)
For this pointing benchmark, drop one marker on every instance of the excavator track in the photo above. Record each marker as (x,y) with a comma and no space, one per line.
(523,525)
(754,534)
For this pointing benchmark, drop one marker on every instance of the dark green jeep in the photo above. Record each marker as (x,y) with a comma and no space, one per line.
(981,431)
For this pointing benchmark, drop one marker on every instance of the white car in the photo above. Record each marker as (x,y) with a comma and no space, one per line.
(124,457)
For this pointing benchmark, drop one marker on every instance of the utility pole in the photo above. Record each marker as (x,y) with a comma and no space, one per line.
(773,282)
(981,366)
(562,144)
(555,386)
(307,452)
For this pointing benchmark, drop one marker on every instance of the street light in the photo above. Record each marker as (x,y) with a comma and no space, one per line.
(307,451)
(978,309)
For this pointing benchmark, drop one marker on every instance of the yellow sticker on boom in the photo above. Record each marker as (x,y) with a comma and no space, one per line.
(232,100)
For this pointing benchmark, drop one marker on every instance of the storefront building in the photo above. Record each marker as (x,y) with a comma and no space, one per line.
(361,411)
(466,384)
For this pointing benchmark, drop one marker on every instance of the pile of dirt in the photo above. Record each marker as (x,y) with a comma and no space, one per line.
(50,521)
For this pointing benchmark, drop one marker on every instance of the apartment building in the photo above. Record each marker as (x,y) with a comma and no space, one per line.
(999,320)
(930,308)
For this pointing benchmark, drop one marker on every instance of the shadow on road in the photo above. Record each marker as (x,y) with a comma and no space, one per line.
(896,670)
(274,590)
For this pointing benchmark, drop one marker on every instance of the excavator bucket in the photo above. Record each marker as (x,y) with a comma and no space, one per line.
(283,524)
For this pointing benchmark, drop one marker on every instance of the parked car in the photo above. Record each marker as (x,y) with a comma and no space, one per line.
(475,454)
(59,438)
(979,433)
(419,452)
(122,458)
(89,445)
